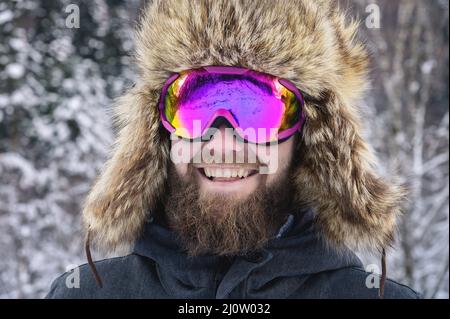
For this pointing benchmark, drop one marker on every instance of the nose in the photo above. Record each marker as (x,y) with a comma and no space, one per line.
(224,141)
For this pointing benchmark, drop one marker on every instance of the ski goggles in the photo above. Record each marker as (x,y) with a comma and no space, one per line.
(262,108)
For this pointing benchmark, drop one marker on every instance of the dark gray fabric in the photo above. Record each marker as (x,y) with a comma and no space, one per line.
(295,264)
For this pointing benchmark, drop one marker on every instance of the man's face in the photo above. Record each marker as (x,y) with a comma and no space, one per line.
(234,200)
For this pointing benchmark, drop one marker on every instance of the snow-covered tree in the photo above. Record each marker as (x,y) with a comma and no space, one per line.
(55,131)
(409,126)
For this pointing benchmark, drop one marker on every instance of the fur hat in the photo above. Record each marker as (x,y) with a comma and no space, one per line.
(308,42)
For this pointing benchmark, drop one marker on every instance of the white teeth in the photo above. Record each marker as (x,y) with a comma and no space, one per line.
(218,172)
(226,172)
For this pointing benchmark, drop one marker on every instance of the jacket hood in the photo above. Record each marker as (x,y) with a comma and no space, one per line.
(308,42)
(295,253)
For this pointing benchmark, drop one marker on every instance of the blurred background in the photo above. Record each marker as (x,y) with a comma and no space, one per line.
(57,85)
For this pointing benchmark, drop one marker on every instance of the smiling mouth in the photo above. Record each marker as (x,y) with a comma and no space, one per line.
(226,173)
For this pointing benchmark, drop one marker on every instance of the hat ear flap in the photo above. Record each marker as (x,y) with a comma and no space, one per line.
(336,176)
(129,188)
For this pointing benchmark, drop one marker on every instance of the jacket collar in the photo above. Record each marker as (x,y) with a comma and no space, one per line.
(297,250)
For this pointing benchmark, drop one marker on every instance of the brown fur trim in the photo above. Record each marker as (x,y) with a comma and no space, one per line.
(354,206)
(134,178)
(308,42)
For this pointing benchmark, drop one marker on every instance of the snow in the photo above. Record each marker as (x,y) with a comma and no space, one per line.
(15,70)
(6,16)
(428,66)
(18,44)
(4,100)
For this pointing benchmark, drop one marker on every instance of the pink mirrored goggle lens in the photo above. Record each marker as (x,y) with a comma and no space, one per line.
(262,108)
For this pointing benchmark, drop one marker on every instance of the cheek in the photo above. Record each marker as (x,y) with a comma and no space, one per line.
(181,170)
(181,150)
(283,160)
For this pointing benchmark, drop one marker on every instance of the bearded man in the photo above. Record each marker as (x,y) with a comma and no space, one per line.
(240,170)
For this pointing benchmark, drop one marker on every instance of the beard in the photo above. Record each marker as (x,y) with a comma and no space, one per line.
(223,224)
